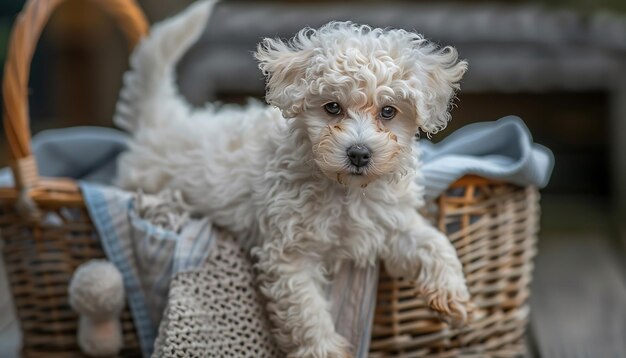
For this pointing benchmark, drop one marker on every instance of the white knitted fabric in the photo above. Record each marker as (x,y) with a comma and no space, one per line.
(215,311)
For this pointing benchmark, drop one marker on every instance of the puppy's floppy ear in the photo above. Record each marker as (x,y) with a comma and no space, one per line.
(441,72)
(284,65)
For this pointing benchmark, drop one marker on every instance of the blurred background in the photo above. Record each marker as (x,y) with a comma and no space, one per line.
(560,65)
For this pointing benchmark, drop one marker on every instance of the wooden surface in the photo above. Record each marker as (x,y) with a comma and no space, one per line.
(579,292)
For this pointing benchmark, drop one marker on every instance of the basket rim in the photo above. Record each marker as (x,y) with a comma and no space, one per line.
(65,191)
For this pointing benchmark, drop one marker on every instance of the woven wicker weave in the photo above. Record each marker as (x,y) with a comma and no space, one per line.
(48,233)
(493,227)
(43,222)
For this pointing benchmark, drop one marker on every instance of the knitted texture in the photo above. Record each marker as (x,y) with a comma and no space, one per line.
(215,311)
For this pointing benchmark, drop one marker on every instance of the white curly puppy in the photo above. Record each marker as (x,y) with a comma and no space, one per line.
(326,173)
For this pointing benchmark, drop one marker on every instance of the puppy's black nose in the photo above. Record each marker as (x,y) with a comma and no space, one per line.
(359,155)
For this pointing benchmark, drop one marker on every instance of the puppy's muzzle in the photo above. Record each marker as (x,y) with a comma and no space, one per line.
(359,155)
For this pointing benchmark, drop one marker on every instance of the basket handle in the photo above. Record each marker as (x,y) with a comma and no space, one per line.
(24,36)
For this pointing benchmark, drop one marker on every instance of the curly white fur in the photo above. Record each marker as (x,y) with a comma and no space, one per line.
(281,176)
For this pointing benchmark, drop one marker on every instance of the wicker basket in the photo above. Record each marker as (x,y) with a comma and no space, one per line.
(493,227)
(43,222)
(48,233)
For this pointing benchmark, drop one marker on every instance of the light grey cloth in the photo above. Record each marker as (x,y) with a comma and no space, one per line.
(503,150)
(85,153)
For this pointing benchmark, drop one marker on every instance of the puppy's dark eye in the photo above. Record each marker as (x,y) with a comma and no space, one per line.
(332,108)
(387,112)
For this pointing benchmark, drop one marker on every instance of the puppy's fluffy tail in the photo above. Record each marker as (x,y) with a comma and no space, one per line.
(149,95)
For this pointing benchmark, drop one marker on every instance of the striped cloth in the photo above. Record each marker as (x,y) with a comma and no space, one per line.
(146,254)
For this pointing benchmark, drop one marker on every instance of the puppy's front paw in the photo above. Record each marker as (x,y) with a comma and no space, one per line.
(455,305)
(333,346)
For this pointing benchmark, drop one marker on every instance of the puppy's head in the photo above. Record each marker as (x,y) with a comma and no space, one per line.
(361,94)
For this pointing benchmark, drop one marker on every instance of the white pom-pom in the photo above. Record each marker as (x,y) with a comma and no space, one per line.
(96,292)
